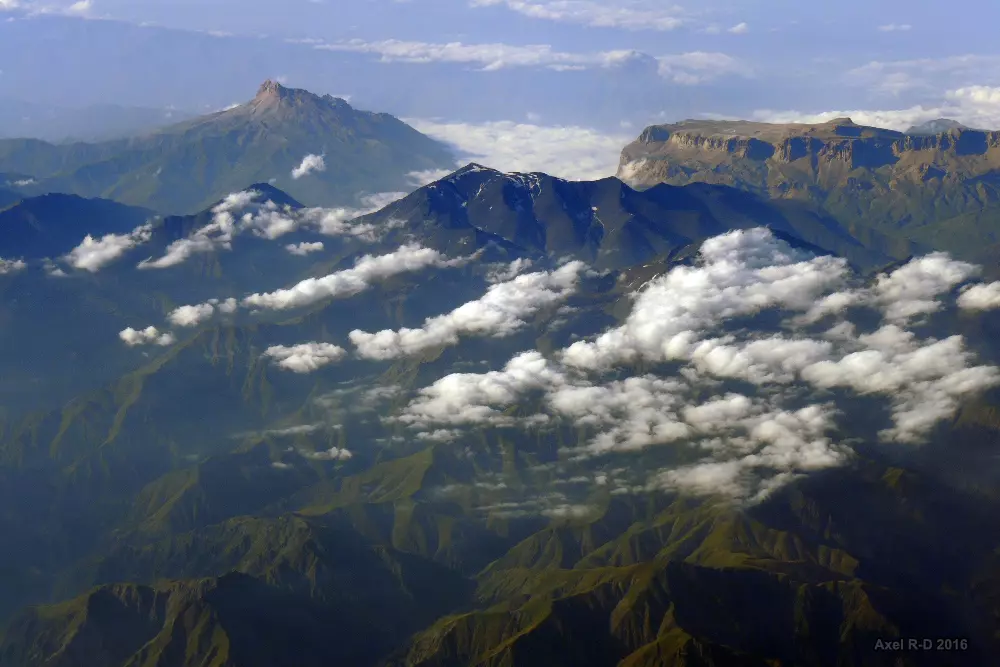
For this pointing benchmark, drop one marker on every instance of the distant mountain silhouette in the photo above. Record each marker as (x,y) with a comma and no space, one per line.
(936,126)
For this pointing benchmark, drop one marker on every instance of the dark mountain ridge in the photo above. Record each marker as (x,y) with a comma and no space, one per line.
(610,224)
(51,225)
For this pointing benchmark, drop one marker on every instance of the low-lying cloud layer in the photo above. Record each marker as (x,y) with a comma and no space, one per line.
(368,270)
(216,235)
(974,105)
(754,396)
(94,254)
(500,312)
(243,212)
(573,153)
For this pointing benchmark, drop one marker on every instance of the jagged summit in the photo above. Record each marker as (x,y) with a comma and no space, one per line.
(603,222)
(274,98)
(271,88)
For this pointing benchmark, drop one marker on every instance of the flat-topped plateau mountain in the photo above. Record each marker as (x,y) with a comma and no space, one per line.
(940,189)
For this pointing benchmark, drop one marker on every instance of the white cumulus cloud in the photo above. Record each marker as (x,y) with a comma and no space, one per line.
(305,358)
(243,212)
(191,316)
(94,254)
(8,266)
(500,312)
(147,336)
(213,236)
(304,248)
(980,297)
(368,269)
(310,164)
(468,398)
(705,322)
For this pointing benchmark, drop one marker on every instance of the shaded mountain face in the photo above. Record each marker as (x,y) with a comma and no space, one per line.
(609,224)
(8,197)
(183,168)
(506,419)
(72,263)
(938,189)
(52,225)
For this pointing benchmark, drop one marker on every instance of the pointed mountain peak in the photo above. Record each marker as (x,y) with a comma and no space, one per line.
(270,193)
(271,88)
(274,97)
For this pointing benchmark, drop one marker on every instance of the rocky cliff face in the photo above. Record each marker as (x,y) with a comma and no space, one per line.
(663,152)
(936,189)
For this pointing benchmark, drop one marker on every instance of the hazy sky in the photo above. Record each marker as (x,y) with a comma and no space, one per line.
(609,65)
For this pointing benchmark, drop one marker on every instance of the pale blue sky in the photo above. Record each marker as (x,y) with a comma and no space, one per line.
(612,65)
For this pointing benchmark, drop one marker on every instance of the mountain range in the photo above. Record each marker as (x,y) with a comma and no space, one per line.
(604,223)
(503,420)
(183,168)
